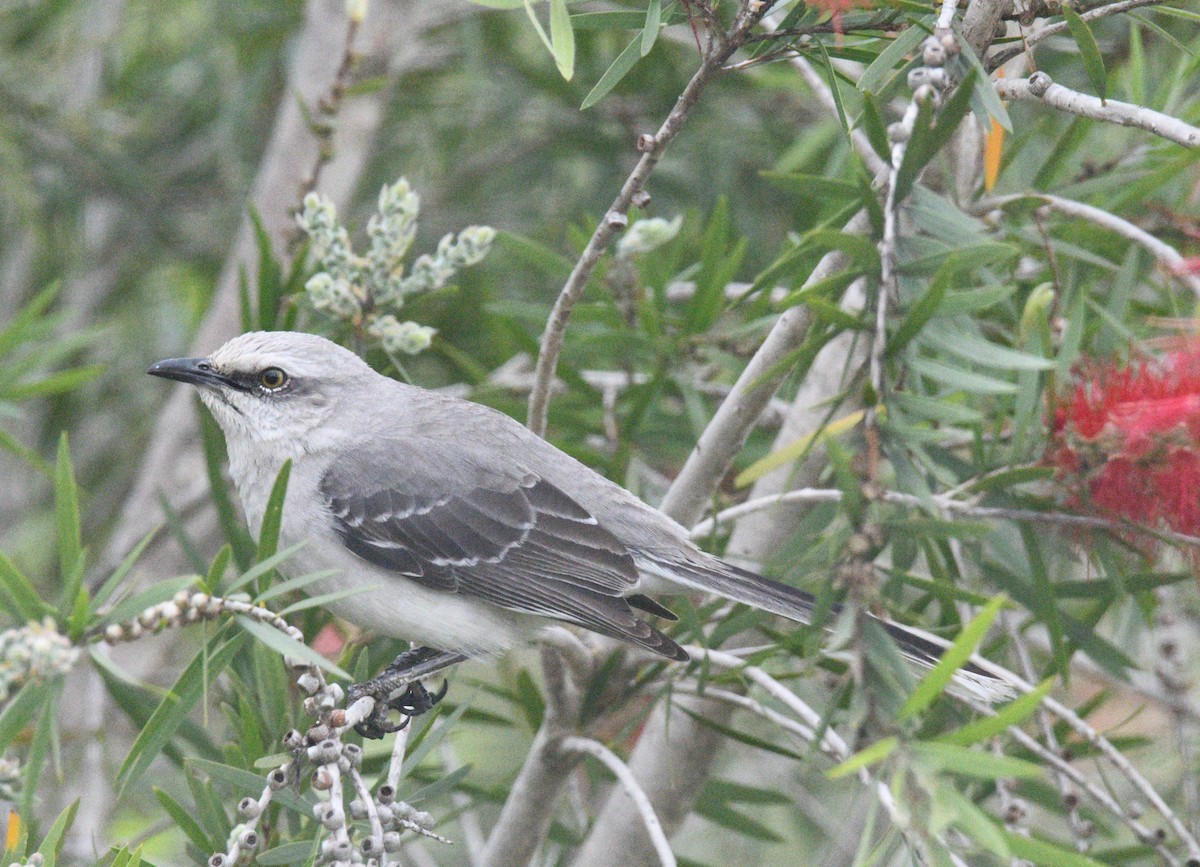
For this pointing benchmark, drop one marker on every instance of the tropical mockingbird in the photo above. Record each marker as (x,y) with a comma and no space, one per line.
(465,532)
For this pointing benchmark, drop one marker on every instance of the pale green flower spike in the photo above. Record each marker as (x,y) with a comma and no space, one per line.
(396,336)
(649,234)
(36,650)
(362,289)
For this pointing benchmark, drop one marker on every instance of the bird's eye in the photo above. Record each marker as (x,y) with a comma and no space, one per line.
(272,378)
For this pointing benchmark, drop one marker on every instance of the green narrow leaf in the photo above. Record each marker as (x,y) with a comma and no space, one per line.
(17,593)
(261,568)
(268,538)
(1089,51)
(562,39)
(324,599)
(529,699)
(113,581)
(216,572)
(161,726)
(971,348)
(247,313)
(984,99)
(931,131)
(834,90)
(66,511)
(1038,851)
(41,745)
(797,448)
(742,737)
(978,764)
(287,646)
(270,275)
(183,818)
(20,710)
(9,443)
(961,380)
(54,383)
(430,738)
(1137,67)
(925,308)
(876,752)
(537,26)
(612,76)
(883,67)
(179,530)
(961,812)
(952,660)
(17,330)
(1013,713)
(297,583)
(871,122)
(214,454)
(652,26)
(53,841)
(444,783)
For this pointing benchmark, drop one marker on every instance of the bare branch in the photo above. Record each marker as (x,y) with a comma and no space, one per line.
(534,795)
(1102,797)
(627,780)
(1006,53)
(1039,88)
(653,147)
(1164,252)
(673,758)
(980,22)
(727,431)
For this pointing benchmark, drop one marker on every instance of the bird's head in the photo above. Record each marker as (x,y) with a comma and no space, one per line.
(270,385)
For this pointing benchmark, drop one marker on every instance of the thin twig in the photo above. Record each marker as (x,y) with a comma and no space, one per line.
(396,763)
(629,782)
(832,743)
(1162,251)
(1098,794)
(1093,738)
(326,109)
(944,502)
(1002,55)
(1066,792)
(616,218)
(1040,88)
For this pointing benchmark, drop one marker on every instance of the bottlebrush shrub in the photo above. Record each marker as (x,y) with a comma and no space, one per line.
(1126,442)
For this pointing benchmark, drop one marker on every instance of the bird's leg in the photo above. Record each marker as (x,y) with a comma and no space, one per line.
(398,687)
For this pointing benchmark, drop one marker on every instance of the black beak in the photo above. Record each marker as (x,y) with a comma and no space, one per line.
(197,371)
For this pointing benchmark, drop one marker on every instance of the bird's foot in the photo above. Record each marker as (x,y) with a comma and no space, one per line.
(398,688)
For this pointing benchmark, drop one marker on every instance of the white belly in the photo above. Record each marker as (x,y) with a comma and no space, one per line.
(399,607)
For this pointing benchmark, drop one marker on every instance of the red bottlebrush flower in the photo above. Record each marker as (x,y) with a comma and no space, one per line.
(1127,441)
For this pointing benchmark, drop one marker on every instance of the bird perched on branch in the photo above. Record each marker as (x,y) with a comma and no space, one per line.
(465,532)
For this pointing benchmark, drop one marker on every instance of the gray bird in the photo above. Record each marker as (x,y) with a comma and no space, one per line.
(465,532)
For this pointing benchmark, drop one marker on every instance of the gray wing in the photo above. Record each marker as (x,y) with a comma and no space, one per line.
(511,539)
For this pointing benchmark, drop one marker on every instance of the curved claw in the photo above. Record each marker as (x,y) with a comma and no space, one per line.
(377,725)
(418,700)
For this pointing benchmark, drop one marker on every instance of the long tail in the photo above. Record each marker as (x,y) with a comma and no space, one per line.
(922,649)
